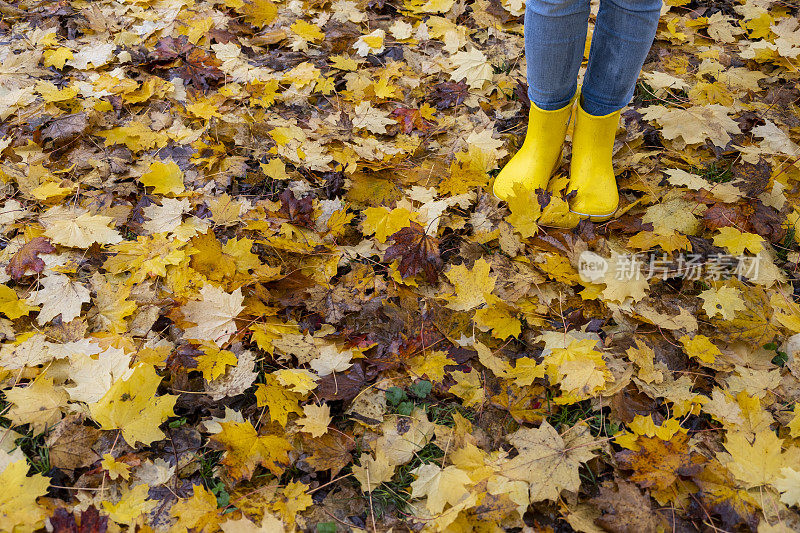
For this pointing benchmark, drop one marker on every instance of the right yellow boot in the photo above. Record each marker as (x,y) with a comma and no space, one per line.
(540,153)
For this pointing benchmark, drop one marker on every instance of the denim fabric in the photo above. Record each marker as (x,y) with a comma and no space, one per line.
(555,33)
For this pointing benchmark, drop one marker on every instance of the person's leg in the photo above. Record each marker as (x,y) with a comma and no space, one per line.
(555,38)
(622,38)
(555,35)
(623,35)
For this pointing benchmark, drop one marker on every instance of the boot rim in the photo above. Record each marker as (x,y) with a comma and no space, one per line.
(596,217)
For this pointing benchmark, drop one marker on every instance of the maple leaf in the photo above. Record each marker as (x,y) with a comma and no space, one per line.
(331,359)
(213,362)
(624,508)
(11,305)
(132,504)
(471,66)
(658,463)
(317,419)
(68,228)
(701,348)
(696,124)
(131,406)
(280,401)
(471,285)
(548,461)
(18,507)
(442,486)
(213,314)
(525,211)
(373,470)
(331,452)
(757,461)
(718,491)
(40,404)
(115,468)
(298,211)
(294,498)
(27,258)
(245,449)
(111,304)
(417,251)
(164,177)
(384,222)
(199,512)
(90,520)
(59,296)
(94,376)
(269,524)
(725,301)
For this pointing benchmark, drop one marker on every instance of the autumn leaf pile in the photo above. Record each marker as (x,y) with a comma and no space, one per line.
(253,278)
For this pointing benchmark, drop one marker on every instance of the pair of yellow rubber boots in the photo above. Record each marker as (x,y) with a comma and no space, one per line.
(591,174)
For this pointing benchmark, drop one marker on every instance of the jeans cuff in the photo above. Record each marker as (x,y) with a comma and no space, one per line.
(550,106)
(597,109)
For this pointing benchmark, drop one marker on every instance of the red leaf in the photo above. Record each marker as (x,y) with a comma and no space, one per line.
(416,251)
(27,258)
(90,521)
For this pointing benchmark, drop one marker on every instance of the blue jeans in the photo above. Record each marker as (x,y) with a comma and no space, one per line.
(555,37)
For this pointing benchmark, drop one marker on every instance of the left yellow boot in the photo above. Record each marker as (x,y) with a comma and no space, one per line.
(539,154)
(591,173)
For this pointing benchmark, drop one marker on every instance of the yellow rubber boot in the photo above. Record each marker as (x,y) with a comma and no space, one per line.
(539,155)
(591,173)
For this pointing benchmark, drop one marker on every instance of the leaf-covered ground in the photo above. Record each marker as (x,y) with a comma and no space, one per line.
(254,280)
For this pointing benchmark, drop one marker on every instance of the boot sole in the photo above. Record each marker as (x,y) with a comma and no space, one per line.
(595,218)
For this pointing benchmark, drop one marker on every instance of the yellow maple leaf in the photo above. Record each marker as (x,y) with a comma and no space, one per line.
(147,256)
(80,230)
(18,508)
(297,380)
(794,425)
(135,135)
(468,387)
(131,505)
(131,406)
(307,31)
(316,420)
(789,486)
(213,361)
(293,499)
(198,513)
(213,314)
(431,365)
(737,242)
(245,449)
(40,404)
(548,461)
(471,66)
(442,486)
(259,13)
(57,58)
(111,304)
(525,211)
(471,285)
(700,347)
(115,468)
(755,460)
(280,401)
(11,305)
(644,357)
(579,369)
(499,319)
(372,471)
(724,301)
(164,177)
